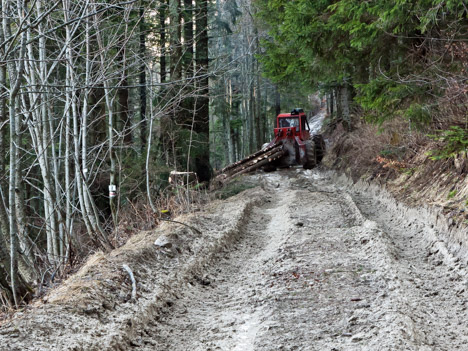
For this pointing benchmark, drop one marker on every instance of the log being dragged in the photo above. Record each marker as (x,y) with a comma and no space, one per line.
(267,156)
(253,156)
(259,164)
(253,161)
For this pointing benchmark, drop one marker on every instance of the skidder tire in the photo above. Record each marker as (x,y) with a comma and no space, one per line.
(269,168)
(319,147)
(311,155)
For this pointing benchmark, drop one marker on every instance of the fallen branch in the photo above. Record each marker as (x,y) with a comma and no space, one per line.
(132,278)
(188,226)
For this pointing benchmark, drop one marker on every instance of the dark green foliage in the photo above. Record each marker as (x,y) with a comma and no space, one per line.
(191,142)
(455,141)
(400,56)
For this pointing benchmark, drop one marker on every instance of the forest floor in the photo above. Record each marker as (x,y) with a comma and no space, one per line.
(304,261)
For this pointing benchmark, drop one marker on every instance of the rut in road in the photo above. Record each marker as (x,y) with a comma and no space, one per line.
(319,267)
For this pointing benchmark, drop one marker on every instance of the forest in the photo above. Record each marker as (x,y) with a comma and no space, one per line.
(101,100)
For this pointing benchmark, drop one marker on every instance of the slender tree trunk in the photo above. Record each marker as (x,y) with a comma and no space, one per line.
(123,98)
(169,137)
(345,106)
(67,166)
(148,151)
(16,71)
(265,122)
(11,203)
(68,147)
(109,99)
(277,101)
(175,38)
(202,120)
(46,135)
(4,225)
(25,261)
(252,115)
(338,101)
(186,113)
(258,111)
(188,38)
(226,119)
(122,91)
(90,217)
(162,40)
(142,78)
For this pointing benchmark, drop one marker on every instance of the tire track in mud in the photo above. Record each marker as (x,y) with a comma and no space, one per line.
(222,309)
(320,268)
(306,263)
(300,278)
(427,285)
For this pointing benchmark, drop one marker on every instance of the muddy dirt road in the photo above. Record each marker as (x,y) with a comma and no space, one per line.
(302,262)
(320,267)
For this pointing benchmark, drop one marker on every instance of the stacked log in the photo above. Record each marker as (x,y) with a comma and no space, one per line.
(250,163)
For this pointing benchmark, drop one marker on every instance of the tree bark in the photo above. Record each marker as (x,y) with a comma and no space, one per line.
(202,121)
(345,106)
(123,91)
(188,39)
(338,101)
(175,39)
(277,101)
(162,40)
(187,108)
(123,97)
(142,78)
(16,71)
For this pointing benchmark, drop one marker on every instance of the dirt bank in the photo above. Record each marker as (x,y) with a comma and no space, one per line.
(399,160)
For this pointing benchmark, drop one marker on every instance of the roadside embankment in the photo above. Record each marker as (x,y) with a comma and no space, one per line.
(397,165)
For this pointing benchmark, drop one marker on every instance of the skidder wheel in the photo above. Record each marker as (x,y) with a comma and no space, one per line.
(319,147)
(311,155)
(269,168)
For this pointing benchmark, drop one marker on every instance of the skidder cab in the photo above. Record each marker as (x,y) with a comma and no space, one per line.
(293,133)
(292,124)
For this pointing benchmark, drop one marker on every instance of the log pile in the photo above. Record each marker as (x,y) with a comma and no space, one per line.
(250,163)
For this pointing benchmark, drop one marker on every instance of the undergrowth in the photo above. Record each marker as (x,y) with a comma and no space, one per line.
(171,202)
(455,140)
